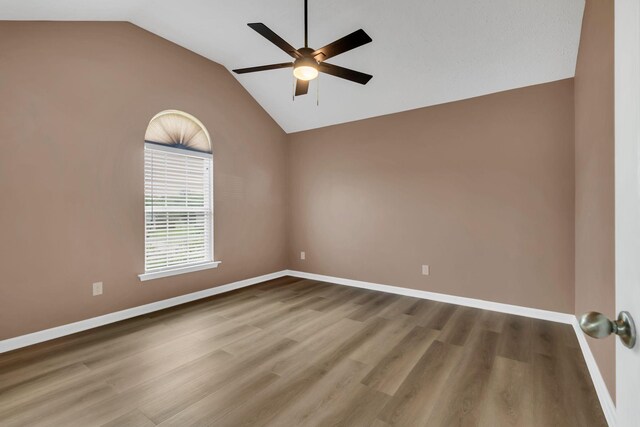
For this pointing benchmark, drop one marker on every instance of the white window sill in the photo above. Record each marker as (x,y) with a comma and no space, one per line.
(175,271)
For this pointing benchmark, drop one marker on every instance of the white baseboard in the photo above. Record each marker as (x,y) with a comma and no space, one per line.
(451,299)
(603,393)
(83,325)
(606,402)
(608,407)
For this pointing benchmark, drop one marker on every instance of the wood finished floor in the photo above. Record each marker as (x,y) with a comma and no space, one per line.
(293,352)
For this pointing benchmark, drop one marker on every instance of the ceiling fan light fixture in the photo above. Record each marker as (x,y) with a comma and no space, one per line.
(308,62)
(305,73)
(305,69)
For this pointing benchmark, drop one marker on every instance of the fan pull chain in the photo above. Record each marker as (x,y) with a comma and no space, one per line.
(293,94)
(318,91)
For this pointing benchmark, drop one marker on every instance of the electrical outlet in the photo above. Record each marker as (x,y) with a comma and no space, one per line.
(425,270)
(97,289)
(303,255)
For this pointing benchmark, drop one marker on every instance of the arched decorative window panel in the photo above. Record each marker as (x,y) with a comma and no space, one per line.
(177,129)
(178,191)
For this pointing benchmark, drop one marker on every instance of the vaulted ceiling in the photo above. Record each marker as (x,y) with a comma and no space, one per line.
(424,52)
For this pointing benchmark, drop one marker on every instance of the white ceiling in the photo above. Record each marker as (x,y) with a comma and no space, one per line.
(424,52)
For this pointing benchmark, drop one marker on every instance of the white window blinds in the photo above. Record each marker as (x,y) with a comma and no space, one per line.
(178,207)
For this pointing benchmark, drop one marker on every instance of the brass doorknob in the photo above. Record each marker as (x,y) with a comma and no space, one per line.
(597,325)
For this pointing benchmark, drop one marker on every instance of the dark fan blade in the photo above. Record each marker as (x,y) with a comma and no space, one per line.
(302,86)
(275,39)
(263,68)
(352,41)
(344,73)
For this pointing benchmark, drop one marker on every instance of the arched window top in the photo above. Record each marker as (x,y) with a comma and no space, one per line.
(178,129)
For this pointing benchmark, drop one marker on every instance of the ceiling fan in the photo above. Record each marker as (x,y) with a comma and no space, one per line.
(309,62)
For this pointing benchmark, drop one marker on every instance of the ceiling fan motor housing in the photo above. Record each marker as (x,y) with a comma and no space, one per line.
(305,68)
(305,61)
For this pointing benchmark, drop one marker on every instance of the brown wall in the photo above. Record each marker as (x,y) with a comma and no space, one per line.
(594,127)
(482,190)
(75,99)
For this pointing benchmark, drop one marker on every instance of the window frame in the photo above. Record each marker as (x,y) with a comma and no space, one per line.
(183,268)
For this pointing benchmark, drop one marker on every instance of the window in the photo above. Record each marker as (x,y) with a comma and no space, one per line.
(178,192)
